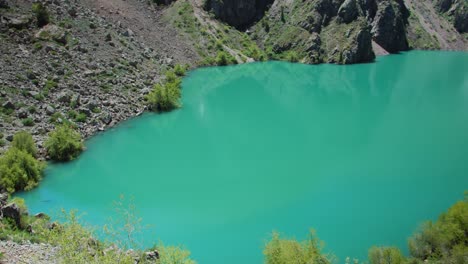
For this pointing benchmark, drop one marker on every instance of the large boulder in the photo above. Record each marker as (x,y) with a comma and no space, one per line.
(461,18)
(52,32)
(361,51)
(389,26)
(457,11)
(238,13)
(18,22)
(348,11)
(13,212)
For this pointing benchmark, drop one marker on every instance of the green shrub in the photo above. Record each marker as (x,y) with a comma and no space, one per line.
(180,70)
(41,13)
(385,255)
(27,122)
(2,143)
(223,59)
(50,84)
(24,141)
(172,254)
(165,96)
(290,251)
(19,170)
(64,144)
(80,118)
(446,239)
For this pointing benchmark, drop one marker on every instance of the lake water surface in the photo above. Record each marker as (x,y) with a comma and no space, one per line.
(362,154)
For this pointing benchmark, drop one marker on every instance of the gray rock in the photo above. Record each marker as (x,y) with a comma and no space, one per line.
(9,138)
(64,97)
(8,105)
(12,211)
(3,198)
(22,113)
(389,27)
(19,22)
(348,11)
(106,118)
(50,110)
(52,32)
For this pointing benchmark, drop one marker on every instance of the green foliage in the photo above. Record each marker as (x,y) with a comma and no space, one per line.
(19,170)
(166,96)
(224,58)
(445,240)
(64,144)
(50,84)
(180,70)
(80,117)
(20,203)
(24,142)
(28,122)
(173,255)
(41,13)
(385,255)
(290,251)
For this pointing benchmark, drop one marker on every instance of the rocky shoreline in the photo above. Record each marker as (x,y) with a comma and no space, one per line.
(87,72)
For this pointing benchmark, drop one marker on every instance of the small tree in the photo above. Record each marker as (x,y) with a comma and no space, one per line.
(24,141)
(385,255)
(291,251)
(64,144)
(42,15)
(166,96)
(19,170)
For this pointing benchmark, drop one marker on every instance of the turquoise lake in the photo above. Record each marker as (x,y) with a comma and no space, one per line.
(363,154)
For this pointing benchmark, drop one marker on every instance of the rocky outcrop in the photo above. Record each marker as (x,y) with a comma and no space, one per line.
(389,26)
(238,13)
(348,11)
(457,11)
(164,2)
(361,50)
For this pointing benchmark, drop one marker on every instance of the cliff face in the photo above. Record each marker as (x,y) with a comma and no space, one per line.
(457,11)
(345,28)
(238,13)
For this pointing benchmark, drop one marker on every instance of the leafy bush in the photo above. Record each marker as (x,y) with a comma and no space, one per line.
(27,122)
(445,240)
(24,141)
(41,13)
(385,255)
(172,254)
(290,251)
(166,96)
(19,170)
(80,118)
(64,144)
(222,58)
(180,70)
